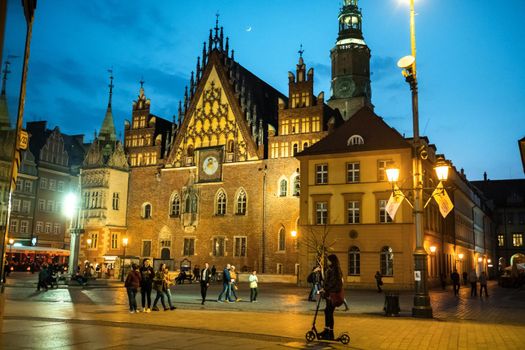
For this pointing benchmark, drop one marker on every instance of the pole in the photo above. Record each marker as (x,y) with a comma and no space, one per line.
(422,307)
(263,238)
(122,265)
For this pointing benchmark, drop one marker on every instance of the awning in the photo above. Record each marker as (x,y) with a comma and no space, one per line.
(37,249)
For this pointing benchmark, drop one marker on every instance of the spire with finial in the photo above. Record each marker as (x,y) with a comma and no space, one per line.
(186,99)
(301,51)
(192,84)
(233,55)
(5,121)
(198,69)
(108,131)
(5,72)
(216,26)
(180,114)
(111,86)
(227,48)
(204,58)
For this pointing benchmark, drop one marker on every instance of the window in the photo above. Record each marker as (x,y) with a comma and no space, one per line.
(295,148)
(114,241)
(146,248)
(281,238)
(218,246)
(52,185)
(384,218)
(321,213)
(146,211)
(352,212)
(279,269)
(510,218)
(221,203)
(28,186)
(39,226)
(517,239)
(41,205)
(43,183)
(387,261)
(284,127)
(275,150)
(296,185)
(175,206)
(295,126)
(56,229)
(321,174)
(16,205)
(316,124)
(305,125)
(49,206)
(283,188)
(116,200)
(48,227)
(241,203)
(354,261)
(19,184)
(381,170)
(521,217)
(189,246)
(240,246)
(94,241)
(60,186)
(355,140)
(501,240)
(26,207)
(284,149)
(14,225)
(24,224)
(352,172)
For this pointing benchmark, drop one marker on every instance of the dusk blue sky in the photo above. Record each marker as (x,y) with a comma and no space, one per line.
(471,69)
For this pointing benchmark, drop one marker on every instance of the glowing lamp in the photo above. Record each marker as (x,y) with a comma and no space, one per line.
(392,174)
(11,241)
(70,204)
(480,259)
(125,241)
(294,234)
(441,169)
(433,249)
(460,256)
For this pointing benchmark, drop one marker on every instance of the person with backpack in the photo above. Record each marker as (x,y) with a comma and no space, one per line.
(333,294)
(159,284)
(132,285)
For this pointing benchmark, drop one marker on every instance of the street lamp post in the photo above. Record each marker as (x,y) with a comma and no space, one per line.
(11,242)
(72,211)
(124,245)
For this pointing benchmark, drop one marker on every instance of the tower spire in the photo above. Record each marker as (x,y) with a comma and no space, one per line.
(5,72)
(111,86)
(108,131)
(301,51)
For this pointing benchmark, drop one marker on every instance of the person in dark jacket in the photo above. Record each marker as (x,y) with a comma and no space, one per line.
(333,283)
(159,284)
(204,278)
(132,285)
(379,281)
(315,279)
(146,284)
(43,277)
(226,285)
(455,281)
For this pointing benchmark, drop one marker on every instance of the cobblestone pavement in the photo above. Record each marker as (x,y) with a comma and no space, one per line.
(97,318)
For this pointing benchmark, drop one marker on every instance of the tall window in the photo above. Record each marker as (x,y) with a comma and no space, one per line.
(39,226)
(352,212)
(305,125)
(321,174)
(295,148)
(26,207)
(275,150)
(517,239)
(94,240)
(218,246)
(114,241)
(116,200)
(41,205)
(23,226)
(146,211)
(146,248)
(295,126)
(189,246)
(383,215)
(16,205)
(28,186)
(501,240)
(316,124)
(60,186)
(281,237)
(56,229)
(49,206)
(354,261)
(283,188)
(52,185)
(284,149)
(221,203)
(14,225)
(321,213)
(387,261)
(381,170)
(175,206)
(296,185)
(241,203)
(284,127)
(47,229)
(43,183)
(240,246)
(352,172)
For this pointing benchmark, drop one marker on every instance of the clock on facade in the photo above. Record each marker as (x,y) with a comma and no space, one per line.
(210,165)
(344,87)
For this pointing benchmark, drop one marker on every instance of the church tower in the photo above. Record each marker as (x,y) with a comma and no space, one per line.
(350,63)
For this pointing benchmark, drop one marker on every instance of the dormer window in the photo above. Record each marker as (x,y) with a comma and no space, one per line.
(355,140)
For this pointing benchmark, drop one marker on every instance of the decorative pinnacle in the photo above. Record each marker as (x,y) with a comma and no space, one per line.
(142,82)
(301,51)
(111,86)
(5,72)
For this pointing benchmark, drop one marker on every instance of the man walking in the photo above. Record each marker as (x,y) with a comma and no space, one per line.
(455,281)
(205,276)
(226,285)
(483,284)
(146,285)
(473,279)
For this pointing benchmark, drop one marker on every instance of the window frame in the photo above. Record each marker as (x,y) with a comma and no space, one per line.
(386,261)
(356,219)
(218,246)
(321,174)
(240,246)
(353,174)
(354,261)
(321,212)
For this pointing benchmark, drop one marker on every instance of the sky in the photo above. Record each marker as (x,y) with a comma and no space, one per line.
(470,57)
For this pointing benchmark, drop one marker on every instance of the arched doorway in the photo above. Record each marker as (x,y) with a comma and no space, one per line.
(165,253)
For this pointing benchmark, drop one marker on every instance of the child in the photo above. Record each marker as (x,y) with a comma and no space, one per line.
(253,286)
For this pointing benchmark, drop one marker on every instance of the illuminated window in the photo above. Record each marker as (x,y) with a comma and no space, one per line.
(384,218)
(218,246)
(295,126)
(321,213)
(387,261)
(352,212)
(114,241)
(517,239)
(284,149)
(352,172)
(284,127)
(305,125)
(221,203)
(316,124)
(381,170)
(501,240)
(275,150)
(321,174)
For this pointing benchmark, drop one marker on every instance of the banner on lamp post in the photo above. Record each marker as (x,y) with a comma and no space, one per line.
(395,200)
(443,200)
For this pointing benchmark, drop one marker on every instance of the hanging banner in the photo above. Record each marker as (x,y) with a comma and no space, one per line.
(443,200)
(394,202)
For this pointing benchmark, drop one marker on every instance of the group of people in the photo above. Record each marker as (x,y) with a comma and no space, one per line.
(473,279)
(229,286)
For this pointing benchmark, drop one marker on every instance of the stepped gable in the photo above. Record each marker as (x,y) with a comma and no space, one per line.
(376,133)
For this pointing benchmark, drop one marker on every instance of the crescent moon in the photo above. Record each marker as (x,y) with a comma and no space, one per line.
(249,29)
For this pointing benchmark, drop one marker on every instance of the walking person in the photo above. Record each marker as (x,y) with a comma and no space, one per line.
(226,285)
(483,284)
(473,279)
(42,278)
(333,284)
(379,281)
(132,285)
(455,281)
(205,277)
(159,284)
(146,284)
(253,286)
(233,285)
(214,273)
(465,277)
(168,282)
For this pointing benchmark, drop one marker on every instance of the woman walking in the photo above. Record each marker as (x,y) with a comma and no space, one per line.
(168,283)
(233,276)
(333,285)
(146,283)
(253,286)
(159,284)
(132,285)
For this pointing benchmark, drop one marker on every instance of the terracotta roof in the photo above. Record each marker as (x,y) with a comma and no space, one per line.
(376,133)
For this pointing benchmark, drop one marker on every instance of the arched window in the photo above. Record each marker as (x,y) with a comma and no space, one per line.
(221,203)
(296,185)
(387,261)
(354,261)
(229,147)
(241,203)
(305,145)
(146,211)
(175,206)
(295,148)
(283,188)
(281,238)
(355,140)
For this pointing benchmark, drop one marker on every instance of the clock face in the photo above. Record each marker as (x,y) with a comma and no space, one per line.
(345,87)
(210,165)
